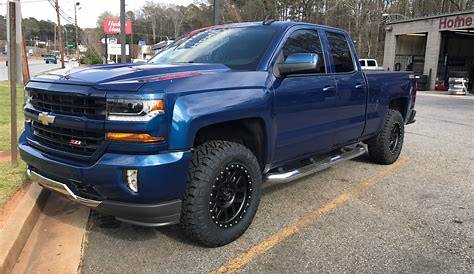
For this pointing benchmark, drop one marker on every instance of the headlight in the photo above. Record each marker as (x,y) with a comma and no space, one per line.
(27,97)
(134,110)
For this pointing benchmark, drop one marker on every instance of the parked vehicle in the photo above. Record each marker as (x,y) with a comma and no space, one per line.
(51,59)
(191,136)
(369,64)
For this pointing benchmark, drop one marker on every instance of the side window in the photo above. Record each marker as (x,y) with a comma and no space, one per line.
(341,53)
(304,41)
(371,63)
(362,63)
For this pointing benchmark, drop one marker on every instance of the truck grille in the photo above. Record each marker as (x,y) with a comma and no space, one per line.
(68,104)
(67,139)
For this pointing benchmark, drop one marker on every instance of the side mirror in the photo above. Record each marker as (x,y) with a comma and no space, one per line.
(299,63)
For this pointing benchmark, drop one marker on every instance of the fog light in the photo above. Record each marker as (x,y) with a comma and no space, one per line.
(131,177)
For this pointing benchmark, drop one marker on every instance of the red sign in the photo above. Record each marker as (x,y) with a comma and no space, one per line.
(458,22)
(112,26)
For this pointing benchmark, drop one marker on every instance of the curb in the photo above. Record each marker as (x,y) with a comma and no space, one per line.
(15,232)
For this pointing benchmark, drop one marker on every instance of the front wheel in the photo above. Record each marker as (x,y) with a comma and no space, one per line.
(222,193)
(385,148)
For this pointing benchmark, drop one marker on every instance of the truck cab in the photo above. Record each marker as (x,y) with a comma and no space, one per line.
(191,136)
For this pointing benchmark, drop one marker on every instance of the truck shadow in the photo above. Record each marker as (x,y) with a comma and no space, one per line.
(110,227)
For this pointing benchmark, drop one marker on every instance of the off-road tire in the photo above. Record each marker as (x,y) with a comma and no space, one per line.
(208,163)
(382,150)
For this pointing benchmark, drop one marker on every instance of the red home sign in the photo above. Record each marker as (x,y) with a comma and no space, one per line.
(112,26)
(458,22)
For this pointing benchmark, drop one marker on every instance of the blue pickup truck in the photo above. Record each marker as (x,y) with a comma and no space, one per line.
(191,136)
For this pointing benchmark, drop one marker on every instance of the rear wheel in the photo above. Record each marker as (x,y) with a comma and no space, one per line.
(385,148)
(222,193)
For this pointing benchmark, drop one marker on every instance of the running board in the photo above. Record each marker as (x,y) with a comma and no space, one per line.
(316,166)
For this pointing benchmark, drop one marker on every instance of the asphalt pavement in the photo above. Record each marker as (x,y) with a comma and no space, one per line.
(36,68)
(416,216)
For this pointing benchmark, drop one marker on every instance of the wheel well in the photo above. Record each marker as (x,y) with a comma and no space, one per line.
(400,105)
(248,132)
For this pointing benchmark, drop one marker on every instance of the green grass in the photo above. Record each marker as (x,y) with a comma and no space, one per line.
(11,179)
(5,114)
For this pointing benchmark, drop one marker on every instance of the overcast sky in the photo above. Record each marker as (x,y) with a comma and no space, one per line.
(90,9)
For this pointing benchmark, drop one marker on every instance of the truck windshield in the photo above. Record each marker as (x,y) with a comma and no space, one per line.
(239,48)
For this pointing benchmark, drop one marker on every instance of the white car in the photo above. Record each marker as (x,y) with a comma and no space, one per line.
(369,64)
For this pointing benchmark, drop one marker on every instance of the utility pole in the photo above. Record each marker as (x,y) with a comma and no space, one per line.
(24,61)
(12,69)
(24,56)
(123,38)
(60,34)
(216,12)
(65,39)
(77,33)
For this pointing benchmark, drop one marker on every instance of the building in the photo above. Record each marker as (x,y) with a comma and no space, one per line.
(437,47)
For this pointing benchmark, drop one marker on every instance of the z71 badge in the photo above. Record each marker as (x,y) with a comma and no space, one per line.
(75,142)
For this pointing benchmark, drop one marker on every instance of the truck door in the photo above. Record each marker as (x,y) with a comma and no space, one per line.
(304,103)
(350,107)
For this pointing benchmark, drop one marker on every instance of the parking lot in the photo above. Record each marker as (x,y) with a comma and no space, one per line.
(416,216)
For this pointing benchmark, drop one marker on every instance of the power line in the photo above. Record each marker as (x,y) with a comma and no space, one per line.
(61,13)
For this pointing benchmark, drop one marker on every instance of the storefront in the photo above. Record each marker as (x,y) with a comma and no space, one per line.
(435,48)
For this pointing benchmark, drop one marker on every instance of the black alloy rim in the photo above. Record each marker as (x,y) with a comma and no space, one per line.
(230,195)
(395,136)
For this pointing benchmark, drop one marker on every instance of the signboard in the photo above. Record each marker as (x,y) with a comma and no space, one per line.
(456,22)
(112,26)
(110,40)
(114,49)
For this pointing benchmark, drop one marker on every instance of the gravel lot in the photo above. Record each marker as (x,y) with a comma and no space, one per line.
(357,217)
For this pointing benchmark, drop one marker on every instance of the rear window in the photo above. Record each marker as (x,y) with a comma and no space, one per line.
(362,63)
(341,53)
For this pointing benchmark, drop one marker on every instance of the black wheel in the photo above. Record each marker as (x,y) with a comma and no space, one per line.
(385,148)
(222,193)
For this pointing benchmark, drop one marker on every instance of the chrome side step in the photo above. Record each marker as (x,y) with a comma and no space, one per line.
(316,166)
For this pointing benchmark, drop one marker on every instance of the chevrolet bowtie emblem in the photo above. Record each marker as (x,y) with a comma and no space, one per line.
(45,118)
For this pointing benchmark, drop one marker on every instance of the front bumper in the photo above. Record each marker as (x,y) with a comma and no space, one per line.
(166,213)
(161,182)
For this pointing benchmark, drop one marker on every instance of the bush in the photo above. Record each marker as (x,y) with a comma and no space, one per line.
(91,58)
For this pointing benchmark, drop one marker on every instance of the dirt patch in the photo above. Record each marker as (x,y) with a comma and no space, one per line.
(4,156)
(8,208)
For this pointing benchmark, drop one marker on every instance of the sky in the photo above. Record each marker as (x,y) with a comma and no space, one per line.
(87,14)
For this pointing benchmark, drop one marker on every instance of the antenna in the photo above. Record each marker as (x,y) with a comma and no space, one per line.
(268,21)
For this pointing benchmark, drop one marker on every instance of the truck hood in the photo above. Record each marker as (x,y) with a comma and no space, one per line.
(127,77)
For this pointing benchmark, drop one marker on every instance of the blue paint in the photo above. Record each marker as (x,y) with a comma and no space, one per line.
(302,114)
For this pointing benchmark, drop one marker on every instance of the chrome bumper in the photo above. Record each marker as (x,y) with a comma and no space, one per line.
(61,188)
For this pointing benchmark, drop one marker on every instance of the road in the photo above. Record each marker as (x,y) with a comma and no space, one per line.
(36,68)
(416,216)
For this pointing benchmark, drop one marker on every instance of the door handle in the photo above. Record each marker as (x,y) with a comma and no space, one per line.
(329,89)
(359,86)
